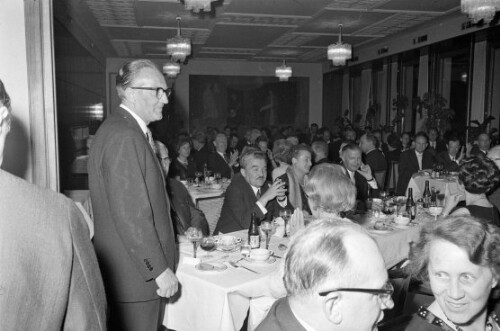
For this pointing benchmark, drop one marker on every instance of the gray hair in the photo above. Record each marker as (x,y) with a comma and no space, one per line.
(250,152)
(318,254)
(330,189)
(480,239)
(129,71)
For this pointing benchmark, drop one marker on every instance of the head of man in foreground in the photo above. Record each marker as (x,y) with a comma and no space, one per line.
(336,278)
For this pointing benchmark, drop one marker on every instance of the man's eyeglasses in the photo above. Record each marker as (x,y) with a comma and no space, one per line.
(384,293)
(160,91)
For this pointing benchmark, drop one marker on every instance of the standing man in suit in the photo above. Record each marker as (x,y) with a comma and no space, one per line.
(248,193)
(361,175)
(219,161)
(373,156)
(413,160)
(49,278)
(436,145)
(335,280)
(134,236)
(451,158)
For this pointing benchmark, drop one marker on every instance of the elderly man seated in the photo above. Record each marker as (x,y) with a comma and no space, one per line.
(335,279)
(249,192)
(184,212)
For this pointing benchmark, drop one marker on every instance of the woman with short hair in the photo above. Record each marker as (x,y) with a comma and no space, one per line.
(183,167)
(460,257)
(478,176)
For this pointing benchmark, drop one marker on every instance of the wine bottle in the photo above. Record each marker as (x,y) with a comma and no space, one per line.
(411,207)
(427,195)
(253,232)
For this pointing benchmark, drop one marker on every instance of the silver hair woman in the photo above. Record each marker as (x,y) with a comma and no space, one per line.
(460,257)
(330,192)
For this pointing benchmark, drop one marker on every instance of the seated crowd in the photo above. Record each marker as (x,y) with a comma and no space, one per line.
(333,272)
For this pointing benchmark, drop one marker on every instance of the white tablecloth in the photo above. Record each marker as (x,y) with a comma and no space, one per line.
(220,300)
(417,183)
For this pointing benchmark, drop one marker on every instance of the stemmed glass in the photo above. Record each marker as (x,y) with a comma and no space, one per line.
(266,227)
(198,175)
(435,211)
(194,235)
(208,245)
(285,215)
(217,177)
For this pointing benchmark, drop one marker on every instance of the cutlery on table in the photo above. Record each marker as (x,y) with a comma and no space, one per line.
(241,266)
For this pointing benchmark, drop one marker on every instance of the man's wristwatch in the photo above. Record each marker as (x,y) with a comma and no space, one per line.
(369,180)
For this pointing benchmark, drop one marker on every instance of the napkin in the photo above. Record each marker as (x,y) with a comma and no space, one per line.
(280,227)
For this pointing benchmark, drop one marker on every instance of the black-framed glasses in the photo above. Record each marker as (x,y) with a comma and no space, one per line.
(160,91)
(384,293)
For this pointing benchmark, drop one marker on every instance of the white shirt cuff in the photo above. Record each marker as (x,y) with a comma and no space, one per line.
(373,184)
(262,208)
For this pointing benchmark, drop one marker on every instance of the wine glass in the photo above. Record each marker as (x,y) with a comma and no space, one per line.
(208,245)
(217,177)
(266,227)
(285,215)
(194,235)
(435,211)
(383,195)
(198,175)
(440,197)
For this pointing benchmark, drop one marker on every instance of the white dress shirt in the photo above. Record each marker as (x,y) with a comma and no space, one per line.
(419,158)
(139,120)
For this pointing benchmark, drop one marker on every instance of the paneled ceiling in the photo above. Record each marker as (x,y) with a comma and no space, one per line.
(253,30)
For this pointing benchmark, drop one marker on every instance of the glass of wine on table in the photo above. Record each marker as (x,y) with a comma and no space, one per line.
(208,245)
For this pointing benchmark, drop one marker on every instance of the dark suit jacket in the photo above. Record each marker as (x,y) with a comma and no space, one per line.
(201,157)
(179,169)
(280,318)
(239,203)
(362,191)
(185,214)
(134,236)
(49,277)
(216,163)
(408,165)
(444,159)
(476,151)
(440,147)
(333,150)
(305,204)
(376,160)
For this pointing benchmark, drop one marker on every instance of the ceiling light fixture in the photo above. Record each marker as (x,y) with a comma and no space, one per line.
(339,52)
(178,47)
(171,69)
(197,5)
(283,72)
(480,9)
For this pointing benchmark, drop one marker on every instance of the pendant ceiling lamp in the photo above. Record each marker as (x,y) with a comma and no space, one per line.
(171,69)
(197,5)
(339,52)
(178,47)
(480,9)
(283,72)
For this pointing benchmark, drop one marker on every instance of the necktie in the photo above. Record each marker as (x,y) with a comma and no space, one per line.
(149,136)
(258,194)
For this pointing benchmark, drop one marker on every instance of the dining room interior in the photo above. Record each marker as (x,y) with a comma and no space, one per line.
(278,67)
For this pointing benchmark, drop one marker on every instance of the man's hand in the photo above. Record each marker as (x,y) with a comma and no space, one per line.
(233,158)
(365,171)
(274,190)
(167,284)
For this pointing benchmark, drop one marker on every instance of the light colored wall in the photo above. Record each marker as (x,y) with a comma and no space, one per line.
(14,74)
(228,68)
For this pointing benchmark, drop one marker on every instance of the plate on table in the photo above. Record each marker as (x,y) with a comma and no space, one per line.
(228,249)
(270,260)
(401,226)
(214,266)
(382,230)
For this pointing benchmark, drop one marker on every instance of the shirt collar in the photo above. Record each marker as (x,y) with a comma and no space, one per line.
(255,189)
(139,120)
(221,154)
(419,154)
(302,322)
